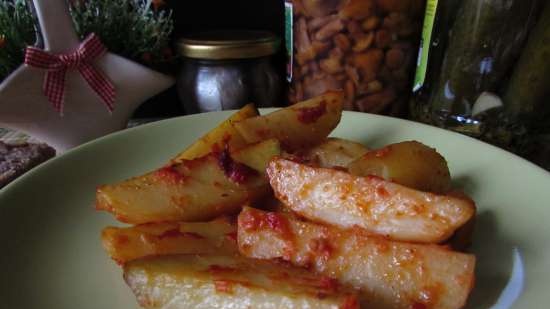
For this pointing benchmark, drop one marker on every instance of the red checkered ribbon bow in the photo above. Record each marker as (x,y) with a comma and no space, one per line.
(57,65)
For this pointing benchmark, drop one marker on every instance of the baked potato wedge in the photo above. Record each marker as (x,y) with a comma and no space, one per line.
(258,155)
(193,190)
(409,163)
(303,124)
(335,152)
(463,237)
(389,274)
(130,243)
(218,281)
(371,203)
(218,137)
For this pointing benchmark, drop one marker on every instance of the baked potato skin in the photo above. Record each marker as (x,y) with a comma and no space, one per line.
(409,163)
(301,125)
(378,206)
(229,281)
(258,155)
(342,226)
(194,190)
(335,152)
(389,274)
(221,136)
(125,244)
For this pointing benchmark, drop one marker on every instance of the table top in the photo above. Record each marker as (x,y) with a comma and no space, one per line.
(16,137)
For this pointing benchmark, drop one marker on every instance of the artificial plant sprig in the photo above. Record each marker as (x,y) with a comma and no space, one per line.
(17,31)
(136,29)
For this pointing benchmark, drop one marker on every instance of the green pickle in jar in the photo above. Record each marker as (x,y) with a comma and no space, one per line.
(366,48)
(474,46)
(529,87)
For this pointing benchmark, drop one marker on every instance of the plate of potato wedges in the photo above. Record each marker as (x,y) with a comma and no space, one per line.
(300,207)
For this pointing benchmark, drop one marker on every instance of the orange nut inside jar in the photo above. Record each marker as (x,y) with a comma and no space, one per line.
(366,48)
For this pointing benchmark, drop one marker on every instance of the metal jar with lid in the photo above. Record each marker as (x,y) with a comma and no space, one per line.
(227,69)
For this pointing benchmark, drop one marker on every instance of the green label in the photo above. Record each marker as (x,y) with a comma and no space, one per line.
(289,39)
(423,52)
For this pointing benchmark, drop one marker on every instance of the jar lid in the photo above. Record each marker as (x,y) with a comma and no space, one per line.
(229,45)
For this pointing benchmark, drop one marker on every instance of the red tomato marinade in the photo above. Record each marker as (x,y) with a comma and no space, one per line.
(254,220)
(223,286)
(122,240)
(169,174)
(311,114)
(380,153)
(216,269)
(321,247)
(382,192)
(235,171)
(350,302)
(277,223)
(170,234)
(418,306)
(193,235)
(329,284)
(231,236)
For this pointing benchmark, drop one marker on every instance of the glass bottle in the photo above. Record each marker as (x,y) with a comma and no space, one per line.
(366,48)
(463,74)
(227,69)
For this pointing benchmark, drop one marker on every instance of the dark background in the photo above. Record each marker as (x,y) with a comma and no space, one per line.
(203,15)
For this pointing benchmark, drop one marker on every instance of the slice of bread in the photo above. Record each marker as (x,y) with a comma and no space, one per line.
(16,159)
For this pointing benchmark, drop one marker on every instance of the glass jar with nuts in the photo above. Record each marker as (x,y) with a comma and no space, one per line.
(366,48)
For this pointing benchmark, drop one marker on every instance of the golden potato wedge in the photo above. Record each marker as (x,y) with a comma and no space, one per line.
(303,124)
(258,155)
(371,203)
(389,274)
(223,134)
(410,163)
(218,281)
(335,152)
(193,190)
(130,243)
(462,238)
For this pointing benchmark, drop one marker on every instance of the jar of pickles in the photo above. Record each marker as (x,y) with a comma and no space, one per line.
(366,48)
(484,69)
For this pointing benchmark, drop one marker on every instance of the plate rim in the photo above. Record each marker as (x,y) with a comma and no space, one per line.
(432,133)
(84,146)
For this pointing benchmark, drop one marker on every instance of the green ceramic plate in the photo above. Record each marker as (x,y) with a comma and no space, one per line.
(49,231)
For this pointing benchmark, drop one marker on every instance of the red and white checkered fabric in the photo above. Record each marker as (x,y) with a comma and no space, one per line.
(82,59)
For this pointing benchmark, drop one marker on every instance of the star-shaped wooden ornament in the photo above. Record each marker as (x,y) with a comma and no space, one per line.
(24,107)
